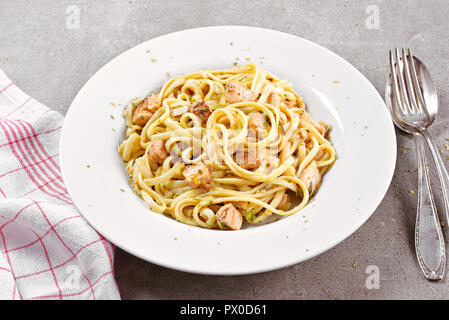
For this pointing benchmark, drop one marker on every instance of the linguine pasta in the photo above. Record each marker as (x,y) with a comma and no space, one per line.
(214,148)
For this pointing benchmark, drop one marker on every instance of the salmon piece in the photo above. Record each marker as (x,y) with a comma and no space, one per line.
(257,126)
(197,175)
(274,99)
(250,160)
(146,109)
(321,126)
(311,177)
(202,110)
(284,203)
(228,217)
(237,92)
(257,121)
(157,151)
(179,111)
(292,103)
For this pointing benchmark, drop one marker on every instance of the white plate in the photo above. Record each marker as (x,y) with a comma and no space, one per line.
(334,91)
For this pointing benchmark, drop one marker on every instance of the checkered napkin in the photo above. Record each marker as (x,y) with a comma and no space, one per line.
(47,250)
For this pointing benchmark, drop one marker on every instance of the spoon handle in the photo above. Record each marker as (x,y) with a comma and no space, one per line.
(442,173)
(429,241)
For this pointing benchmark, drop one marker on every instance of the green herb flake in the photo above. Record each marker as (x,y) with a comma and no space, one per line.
(250,216)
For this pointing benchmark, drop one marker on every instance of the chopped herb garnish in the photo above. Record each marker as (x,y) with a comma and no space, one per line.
(250,216)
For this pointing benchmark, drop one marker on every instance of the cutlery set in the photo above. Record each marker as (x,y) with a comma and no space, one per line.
(413,103)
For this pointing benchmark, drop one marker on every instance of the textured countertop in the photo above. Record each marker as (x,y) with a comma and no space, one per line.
(50,56)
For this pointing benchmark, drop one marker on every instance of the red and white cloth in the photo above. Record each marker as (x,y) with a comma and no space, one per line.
(47,250)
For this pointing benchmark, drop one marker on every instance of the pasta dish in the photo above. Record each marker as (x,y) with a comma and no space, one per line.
(216,148)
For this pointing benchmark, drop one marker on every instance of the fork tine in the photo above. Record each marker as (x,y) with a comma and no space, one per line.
(411,89)
(396,105)
(405,98)
(414,78)
(394,78)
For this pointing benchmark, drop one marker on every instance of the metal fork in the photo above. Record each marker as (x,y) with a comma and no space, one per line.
(410,114)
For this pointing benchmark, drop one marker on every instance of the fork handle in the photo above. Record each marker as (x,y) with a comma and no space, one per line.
(429,241)
(442,173)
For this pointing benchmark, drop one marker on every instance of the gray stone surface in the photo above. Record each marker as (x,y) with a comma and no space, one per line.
(51,63)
